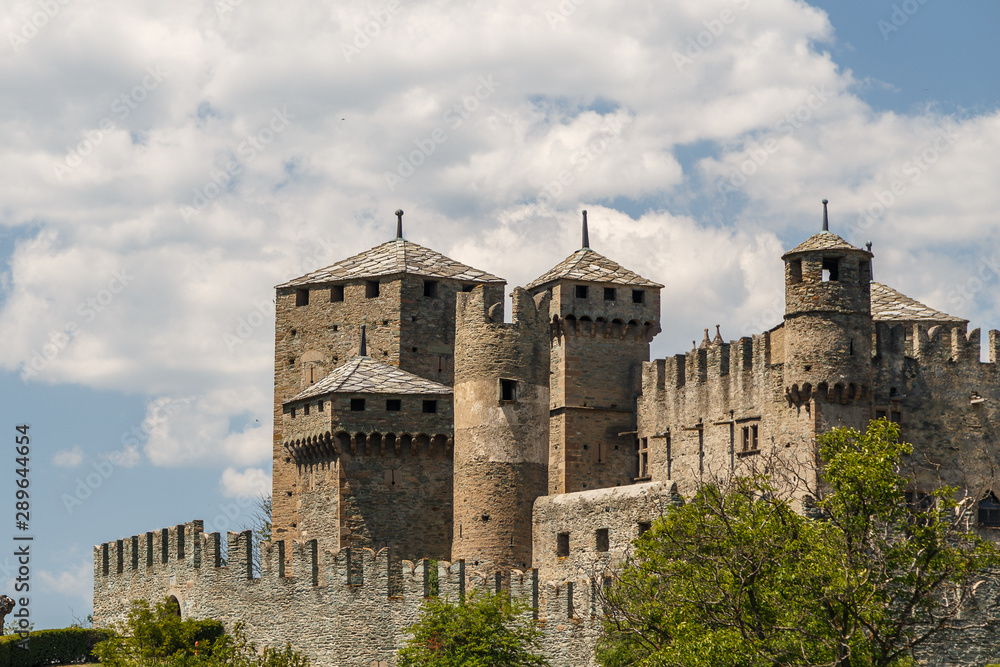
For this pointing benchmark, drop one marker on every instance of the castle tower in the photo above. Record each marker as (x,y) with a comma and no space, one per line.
(603,318)
(403,292)
(828,326)
(501,427)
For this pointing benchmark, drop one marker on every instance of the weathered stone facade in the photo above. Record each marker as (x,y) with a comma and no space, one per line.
(412,422)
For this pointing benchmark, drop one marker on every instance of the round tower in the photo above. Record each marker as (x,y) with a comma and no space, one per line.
(501,427)
(828,322)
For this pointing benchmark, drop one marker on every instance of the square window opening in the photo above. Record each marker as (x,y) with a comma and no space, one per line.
(336,293)
(562,545)
(371,289)
(508,390)
(644,527)
(581,291)
(638,296)
(301,297)
(430,407)
(430,289)
(989,512)
(831,269)
(468,288)
(609,293)
(393,405)
(603,543)
(357,404)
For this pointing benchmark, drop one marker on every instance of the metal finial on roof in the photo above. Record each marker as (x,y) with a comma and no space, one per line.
(586,234)
(826,217)
(399,223)
(363,350)
(868,246)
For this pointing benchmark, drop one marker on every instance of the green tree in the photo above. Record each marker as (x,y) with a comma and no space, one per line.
(484,630)
(738,578)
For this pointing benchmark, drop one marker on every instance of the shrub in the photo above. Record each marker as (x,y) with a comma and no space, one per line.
(45,647)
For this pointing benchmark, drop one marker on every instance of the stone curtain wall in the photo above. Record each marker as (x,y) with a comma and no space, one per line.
(347,608)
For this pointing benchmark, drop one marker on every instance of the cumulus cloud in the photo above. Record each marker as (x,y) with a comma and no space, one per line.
(75,582)
(68,458)
(248,483)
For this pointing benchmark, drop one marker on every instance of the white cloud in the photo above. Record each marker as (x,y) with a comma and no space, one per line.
(68,458)
(76,582)
(250,483)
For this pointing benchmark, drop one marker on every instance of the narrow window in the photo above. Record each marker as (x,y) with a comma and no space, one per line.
(468,288)
(643,467)
(562,545)
(305,410)
(753,437)
(336,293)
(670,458)
(989,512)
(864,271)
(291,362)
(609,293)
(508,390)
(746,438)
(319,405)
(581,291)
(430,289)
(880,414)
(644,527)
(357,404)
(895,417)
(430,407)
(371,289)
(293,413)
(392,478)
(302,297)
(393,405)
(831,269)
(638,296)
(795,271)
(602,539)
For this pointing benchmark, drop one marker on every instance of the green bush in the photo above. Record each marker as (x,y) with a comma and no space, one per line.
(46,647)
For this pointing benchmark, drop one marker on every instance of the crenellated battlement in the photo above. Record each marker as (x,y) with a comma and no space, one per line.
(933,344)
(327,445)
(714,363)
(584,326)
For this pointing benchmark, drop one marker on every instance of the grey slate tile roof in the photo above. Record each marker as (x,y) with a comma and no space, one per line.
(395,257)
(587,265)
(888,305)
(822,241)
(363,375)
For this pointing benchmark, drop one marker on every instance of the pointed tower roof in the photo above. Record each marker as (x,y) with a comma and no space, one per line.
(889,305)
(392,258)
(825,240)
(362,375)
(590,266)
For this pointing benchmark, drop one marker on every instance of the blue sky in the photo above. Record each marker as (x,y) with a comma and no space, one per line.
(163,166)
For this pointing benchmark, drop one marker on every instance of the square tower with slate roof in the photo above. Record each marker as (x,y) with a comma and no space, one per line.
(404,294)
(603,318)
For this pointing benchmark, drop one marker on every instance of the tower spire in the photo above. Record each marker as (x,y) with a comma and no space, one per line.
(399,224)
(826,217)
(363,350)
(586,233)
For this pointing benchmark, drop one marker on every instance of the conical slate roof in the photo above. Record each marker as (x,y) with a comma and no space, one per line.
(822,241)
(888,305)
(392,258)
(363,375)
(590,266)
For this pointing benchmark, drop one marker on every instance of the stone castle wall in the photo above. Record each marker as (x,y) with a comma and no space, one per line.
(348,607)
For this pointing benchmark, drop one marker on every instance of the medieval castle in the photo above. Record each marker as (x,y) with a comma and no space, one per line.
(413,424)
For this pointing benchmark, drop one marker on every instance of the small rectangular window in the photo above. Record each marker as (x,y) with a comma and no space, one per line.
(357,404)
(508,390)
(371,289)
(430,289)
(305,409)
(336,293)
(880,414)
(638,296)
(430,407)
(319,404)
(581,291)
(468,288)
(609,293)
(393,405)
(831,269)
(644,526)
(302,297)
(895,417)
(602,539)
(562,545)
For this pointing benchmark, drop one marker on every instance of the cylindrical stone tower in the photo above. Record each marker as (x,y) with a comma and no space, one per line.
(828,321)
(501,427)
